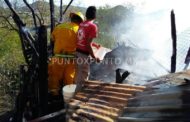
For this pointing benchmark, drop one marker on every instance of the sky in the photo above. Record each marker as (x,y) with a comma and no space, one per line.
(141,5)
(85,3)
(148,4)
(97,3)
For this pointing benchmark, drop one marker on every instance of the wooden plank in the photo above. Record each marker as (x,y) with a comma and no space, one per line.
(94,117)
(109,103)
(102,96)
(109,93)
(105,107)
(115,85)
(114,89)
(85,97)
(96,110)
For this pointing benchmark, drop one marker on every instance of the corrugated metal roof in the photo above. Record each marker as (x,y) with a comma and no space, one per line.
(109,102)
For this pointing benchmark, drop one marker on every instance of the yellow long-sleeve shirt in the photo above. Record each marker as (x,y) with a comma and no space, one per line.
(65,37)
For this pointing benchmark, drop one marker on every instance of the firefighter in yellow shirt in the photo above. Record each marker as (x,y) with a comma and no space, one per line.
(61,69)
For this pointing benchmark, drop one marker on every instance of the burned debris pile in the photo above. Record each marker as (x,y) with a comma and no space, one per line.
(123,57)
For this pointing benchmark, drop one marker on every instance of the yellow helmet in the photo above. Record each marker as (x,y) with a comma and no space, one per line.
(78,14)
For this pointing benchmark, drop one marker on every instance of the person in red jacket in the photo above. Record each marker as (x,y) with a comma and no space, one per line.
(86,33)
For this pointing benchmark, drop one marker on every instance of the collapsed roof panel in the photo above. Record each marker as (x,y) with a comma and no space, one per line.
(109,102)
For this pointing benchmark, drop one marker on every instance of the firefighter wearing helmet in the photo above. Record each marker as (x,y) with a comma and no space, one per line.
(61,69)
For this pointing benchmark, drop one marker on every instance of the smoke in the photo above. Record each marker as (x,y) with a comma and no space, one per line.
(150,28)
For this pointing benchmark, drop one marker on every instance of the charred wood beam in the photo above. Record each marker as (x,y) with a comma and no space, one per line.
(26,38)
(49,116)
(105,98)
(98,110)
(76,104)
(52,14)
(174,42)
(100,101)
(78,118)
(109,93)
(94,116)
(114,85)
(110,110)
(61,11)
(67,7)
(187,59)
(15,15)
(114,89)
(21,99)
(120,78)
(43,83)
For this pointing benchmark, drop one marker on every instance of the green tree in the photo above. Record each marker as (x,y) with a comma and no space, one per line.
(112,23)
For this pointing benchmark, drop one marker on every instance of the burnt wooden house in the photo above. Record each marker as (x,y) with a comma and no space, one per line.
(166,98)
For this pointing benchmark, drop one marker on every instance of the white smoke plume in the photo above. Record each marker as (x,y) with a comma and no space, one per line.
(151,27)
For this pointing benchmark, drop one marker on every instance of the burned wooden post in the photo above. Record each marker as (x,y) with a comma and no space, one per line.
(187,59)
(33,13)
(67,6)
(52,12)
(32,100)
(43,70)
(61,11)
(174,42)
(120,78)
